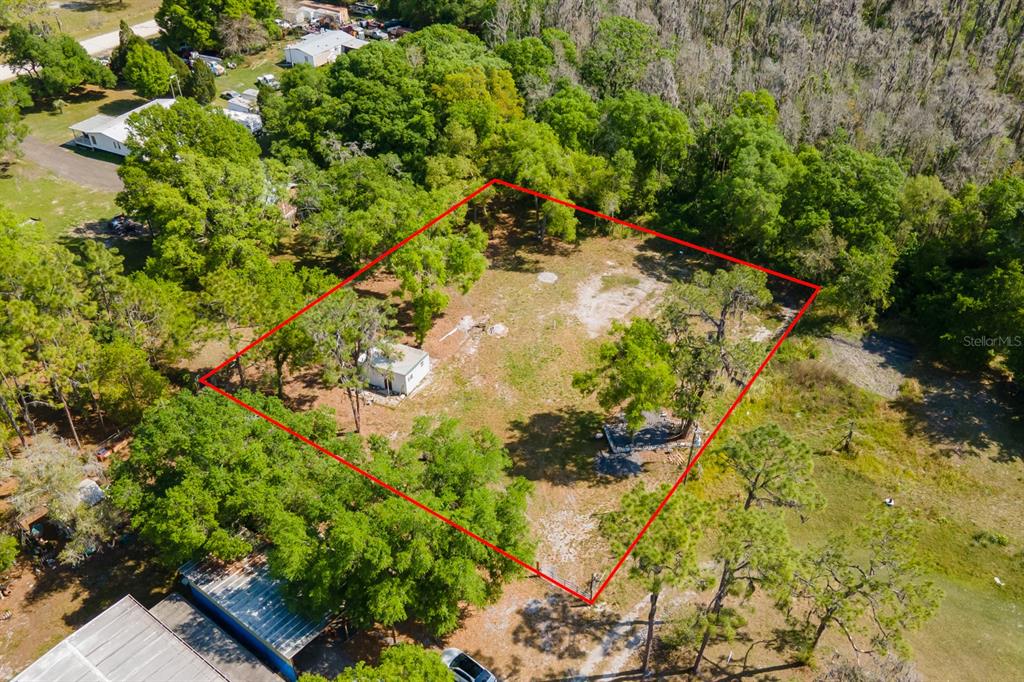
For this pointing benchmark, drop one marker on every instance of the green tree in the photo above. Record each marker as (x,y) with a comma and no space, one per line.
(146,69)
(472,13)
(874,589)
(126,40)
(195,177)
(673,361)
(200,84)
(207,478)
(657,136)
(12,126)
(344,329)
(531,61)
(667,553)
(636,370)
(573,114)
(528,153)
(619,55)
(753,547)
(200,25)
(381,102)
(8,551)
(407,662)
(53,64)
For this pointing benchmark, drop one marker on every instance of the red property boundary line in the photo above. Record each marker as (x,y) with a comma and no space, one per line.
(205,379)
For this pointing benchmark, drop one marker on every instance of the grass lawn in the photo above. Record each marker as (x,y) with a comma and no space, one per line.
(977,631)
(249,68)
(88,18)
(52,126)
(60,205)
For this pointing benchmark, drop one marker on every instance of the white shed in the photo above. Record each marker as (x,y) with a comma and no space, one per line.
(110,133)
(318,49)
(402,373)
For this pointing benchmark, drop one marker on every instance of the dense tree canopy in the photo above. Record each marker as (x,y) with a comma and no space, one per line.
(205,477)
(53,64)
(196,178)
(200,24)
(147,70)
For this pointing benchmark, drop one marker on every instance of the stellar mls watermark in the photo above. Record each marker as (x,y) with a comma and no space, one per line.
(993,341)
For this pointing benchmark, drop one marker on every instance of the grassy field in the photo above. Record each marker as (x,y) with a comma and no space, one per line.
(249,68)
(60,205)
(957,500)
(87,18)
(52,126)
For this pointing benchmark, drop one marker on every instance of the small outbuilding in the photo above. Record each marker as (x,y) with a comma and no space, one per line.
(110,133)
(401,370)
(245,600)
(320,13)
(321,48)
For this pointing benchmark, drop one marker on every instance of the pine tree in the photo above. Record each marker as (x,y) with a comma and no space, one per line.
(201,86)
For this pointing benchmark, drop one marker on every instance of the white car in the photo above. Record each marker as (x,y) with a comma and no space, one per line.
(465,668)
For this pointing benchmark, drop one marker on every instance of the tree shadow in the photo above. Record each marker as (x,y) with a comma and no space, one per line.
(514,248)
(965,416)
(116,107)
(668,262)
(78,96)
(102,579)
(562,625)
(557,447)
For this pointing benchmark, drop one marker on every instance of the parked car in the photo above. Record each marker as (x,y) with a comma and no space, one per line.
(122,224)
(377,34)
(363,8)
(269,80)
(283,24)
(465,668)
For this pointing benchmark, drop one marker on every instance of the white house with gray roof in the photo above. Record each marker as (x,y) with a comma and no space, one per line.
(401,370)
(110,133)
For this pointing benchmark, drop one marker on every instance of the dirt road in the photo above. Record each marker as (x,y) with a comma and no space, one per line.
(77,168)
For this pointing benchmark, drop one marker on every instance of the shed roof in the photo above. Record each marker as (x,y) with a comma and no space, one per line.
(403,360)
(115,127)
(125,642)
(246,591)
(317,43)
(217,647)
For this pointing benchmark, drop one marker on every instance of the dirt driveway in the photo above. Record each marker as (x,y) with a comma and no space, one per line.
(83,170)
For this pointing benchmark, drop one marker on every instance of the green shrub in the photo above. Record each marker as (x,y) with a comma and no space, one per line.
(987,538)
(911,391)
(8,551)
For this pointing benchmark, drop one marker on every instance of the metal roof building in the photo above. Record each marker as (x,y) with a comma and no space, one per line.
(124,643)
(219,649)
(317,49)
(246,601)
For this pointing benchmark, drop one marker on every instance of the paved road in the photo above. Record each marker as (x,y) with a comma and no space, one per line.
(77,168)
(97,44)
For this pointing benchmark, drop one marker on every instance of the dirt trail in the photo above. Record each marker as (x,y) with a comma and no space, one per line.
(627,636)
(83,170)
